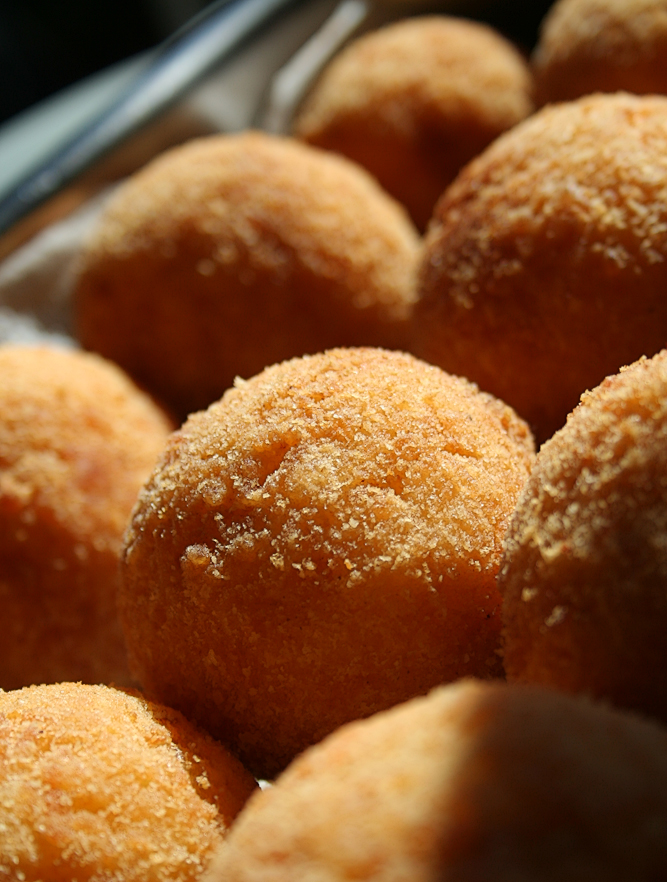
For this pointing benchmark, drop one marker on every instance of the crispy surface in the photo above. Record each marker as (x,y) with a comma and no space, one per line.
(584,573)
(415,100)
(321,544)
(601,46)
(77,440)
(475,781)
(236,251)
(100,785)
(546,267)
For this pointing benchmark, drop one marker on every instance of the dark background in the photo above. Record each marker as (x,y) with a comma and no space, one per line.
(46,45)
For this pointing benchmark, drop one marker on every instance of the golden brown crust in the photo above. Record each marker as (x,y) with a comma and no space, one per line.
(100,784)
(584,573)
(416,100)
(590,46)
(545,268)
(321,544)
(475,781)
(236,251)
(77,440)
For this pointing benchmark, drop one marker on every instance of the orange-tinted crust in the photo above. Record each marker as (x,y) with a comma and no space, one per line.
(477,781)
(590,46)
(236,251)
(319,545)
(546,266)
(101,785)
(77,441)
(584,575)
(416,100)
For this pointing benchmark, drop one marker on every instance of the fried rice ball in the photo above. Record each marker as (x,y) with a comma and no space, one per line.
(235,251)
(546,267)
(476,781)
(584,575)
(77,441)
(99,784)
(320,544)
(415,100)
(589,46)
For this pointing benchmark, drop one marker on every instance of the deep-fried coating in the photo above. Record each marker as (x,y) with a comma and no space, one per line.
(415,100)
(474,782)
(584,573)
(589,46)
(319,545)
(546,268)
(77,441)
(236,251)
(101,785)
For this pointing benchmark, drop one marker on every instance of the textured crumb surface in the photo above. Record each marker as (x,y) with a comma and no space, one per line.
(601,46)
(546,267)
(584,573)
(416,100)
(100,785)
(77,441)
(320,544)
(236,251)
(475,781)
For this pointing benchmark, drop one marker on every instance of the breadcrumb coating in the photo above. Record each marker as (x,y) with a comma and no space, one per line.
(584,573)
(589,46)
(475,781)
(320,544)
(100,785)
(415,100)
(77,441)
(545,269)
(233,252)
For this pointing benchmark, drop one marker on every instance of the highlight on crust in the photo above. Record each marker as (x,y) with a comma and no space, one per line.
(98,783)
(584,568)
(545,264)
(320,544)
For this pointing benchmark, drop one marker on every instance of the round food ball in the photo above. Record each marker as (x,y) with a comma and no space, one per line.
(589,46)
(477,781)
(415,100)
(584,575)
(546,266)
(99,784)
(77,441)
(235,251)
(320,544)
